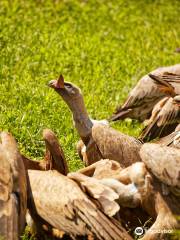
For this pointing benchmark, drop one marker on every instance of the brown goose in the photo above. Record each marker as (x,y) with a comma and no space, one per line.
(164,119)
(60,201)
(100,141)
(13,189)
(146,94)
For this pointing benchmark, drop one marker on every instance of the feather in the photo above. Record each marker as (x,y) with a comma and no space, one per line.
(61,202)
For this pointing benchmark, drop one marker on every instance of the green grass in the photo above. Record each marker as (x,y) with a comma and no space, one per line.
(102,46)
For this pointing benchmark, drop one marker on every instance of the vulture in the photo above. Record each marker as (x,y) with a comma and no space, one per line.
(54,159)
(146,94)
(163,163)
(99,141)
(59,204)
(13,189)
(137,185)
(166,113)
(62,203)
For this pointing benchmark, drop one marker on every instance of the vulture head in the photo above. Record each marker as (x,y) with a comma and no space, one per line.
(66,90)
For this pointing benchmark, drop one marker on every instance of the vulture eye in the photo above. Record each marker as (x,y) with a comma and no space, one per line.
(68,85)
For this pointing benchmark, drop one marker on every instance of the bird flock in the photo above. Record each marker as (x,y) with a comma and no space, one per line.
(129,187)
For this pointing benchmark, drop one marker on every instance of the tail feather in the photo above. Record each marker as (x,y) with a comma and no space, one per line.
(153,131)
(121,114)
(102,226)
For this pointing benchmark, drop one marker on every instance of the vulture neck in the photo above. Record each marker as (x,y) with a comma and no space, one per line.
(81,119)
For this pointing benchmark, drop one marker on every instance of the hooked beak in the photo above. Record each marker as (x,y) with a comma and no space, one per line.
(57,84)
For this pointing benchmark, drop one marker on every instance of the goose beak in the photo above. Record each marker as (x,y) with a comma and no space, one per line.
(57,84)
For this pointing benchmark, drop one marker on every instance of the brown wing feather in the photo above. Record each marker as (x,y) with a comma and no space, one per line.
(10,148)
(61,202)
(169,139)
(8,202)
(164,162)
(144,93)
(115,145)
(164,122)
(163,85)
(147,94)
(54,148)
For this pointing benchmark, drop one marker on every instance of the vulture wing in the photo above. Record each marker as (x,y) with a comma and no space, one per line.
(146,94)
(163,121)
(170,140)
(163,162)
(61,202)
(13,190)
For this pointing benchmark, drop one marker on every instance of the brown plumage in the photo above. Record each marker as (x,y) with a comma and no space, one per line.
(100,140)
(61,202)
(13,189)
(168,83)
(164,119)
(146,94)
(162,207)
(177,50)
(55,157)
(163,162)
(32,164)
(171,140)
(137,186)
(115,145)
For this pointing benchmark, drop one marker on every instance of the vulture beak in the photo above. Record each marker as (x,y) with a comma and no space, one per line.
(57,84)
